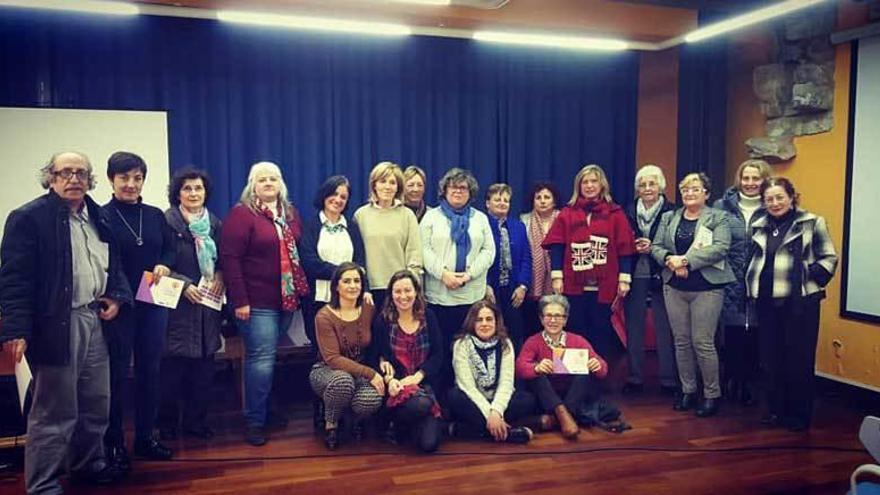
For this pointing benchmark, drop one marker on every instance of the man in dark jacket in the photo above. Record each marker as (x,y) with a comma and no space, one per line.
(59,277)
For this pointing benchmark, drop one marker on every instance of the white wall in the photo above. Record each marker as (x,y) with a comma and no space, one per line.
(29,137)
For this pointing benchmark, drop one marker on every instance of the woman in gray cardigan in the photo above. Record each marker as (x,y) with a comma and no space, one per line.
(692,244)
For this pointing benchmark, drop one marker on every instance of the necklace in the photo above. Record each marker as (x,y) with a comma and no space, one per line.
(775,232)
(138,238)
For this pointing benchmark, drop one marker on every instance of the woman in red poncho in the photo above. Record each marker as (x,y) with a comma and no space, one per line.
(591,252)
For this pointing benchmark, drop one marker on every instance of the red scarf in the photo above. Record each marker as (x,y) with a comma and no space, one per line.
(294,284)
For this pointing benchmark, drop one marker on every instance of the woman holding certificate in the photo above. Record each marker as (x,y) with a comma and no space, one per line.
(541,365)
(692,244)
(265,282)
(147,246)
(194,326)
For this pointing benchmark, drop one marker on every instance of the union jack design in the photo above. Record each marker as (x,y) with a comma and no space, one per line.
(585,255)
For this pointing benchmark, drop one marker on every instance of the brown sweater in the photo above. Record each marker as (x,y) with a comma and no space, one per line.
(343,344)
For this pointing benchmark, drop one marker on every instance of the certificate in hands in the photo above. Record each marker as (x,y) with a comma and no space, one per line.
(210,299)
(571,361)
(165,293)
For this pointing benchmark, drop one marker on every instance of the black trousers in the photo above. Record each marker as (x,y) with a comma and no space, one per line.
(450,319)
(583,389)
(472,423)
(788,336)
(531,317)
(513,317)
(416,417)
(592,320)
(186,392)
(740,356)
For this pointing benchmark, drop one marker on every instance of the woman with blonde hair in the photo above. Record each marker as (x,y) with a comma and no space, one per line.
(389,229)
(414,182)
(265,281)
(591,250)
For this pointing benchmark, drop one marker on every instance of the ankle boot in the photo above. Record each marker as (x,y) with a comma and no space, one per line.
(567,424)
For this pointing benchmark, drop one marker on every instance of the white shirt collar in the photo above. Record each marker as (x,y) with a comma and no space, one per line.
(326,221)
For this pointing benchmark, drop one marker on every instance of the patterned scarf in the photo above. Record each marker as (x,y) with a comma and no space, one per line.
(410,349)
(646,216)
(483,357)
(293,279)
(549,340)
(459,219)
(206,249)
(540,256)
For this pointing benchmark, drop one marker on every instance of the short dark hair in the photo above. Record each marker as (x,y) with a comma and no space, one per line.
(328,188)
(784,184)
(181,176)
(123,162)
(337,275)
(529,200)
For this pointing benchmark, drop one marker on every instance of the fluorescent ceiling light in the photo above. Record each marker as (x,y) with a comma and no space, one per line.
(314,23)
(569,42)
(750,18)
(424,2)
(90,6)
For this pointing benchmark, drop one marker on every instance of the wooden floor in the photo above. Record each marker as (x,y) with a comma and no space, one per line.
(665,452)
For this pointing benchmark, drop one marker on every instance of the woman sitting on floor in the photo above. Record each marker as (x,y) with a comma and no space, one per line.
(409,348)
(558,394)
(340,376)
(483,401)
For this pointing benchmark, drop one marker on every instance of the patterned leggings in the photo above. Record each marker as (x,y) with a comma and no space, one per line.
(340,390)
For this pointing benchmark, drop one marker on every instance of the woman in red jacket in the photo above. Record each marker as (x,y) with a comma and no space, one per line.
(591,253)
(264,281)
(558,394)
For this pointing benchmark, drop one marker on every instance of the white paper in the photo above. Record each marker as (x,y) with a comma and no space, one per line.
(166,292)
(23,379)
(704,238)
(210,299)
(571,361)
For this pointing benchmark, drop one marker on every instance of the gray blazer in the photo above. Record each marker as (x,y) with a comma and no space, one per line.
(701,259)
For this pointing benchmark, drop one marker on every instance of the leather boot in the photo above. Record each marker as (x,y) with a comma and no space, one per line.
(567,424)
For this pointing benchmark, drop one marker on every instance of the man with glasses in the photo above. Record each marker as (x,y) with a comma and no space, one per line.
(60,276)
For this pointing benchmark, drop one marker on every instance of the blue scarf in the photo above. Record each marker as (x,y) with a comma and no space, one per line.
(459,220)
(206,249)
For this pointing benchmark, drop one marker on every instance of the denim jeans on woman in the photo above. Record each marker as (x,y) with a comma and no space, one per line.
(260,335)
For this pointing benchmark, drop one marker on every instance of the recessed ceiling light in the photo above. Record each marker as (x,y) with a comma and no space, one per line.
(749,18)
(314,23)
(568,42)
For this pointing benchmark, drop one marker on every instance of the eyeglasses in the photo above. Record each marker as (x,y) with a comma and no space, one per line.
(692,190)
(67,174)
(458,187)
(555,316)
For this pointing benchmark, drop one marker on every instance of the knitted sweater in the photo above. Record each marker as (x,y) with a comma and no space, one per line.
(344,344)
(535,349)
(391,241)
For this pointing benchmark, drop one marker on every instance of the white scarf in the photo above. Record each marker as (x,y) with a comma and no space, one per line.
(646,216)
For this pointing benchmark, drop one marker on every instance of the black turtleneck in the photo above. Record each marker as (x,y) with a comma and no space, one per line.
(157,247)
(776,229)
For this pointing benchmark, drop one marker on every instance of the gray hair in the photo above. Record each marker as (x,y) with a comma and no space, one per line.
(553,299)
(651,170)
(47,171)
(455,175)
(247,195)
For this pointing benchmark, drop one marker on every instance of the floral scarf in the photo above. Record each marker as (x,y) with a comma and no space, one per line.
(206,249)
(549,340)
(540,256)
(484,359)
(293,279)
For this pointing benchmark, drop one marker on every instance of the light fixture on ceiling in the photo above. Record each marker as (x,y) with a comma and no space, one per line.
(88,6)
(568,42)
(423,2)
(749,18)
(314,23)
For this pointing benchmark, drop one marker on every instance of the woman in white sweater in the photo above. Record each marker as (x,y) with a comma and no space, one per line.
(484,402)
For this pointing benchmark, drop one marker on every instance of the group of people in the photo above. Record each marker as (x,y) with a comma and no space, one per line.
(437,320)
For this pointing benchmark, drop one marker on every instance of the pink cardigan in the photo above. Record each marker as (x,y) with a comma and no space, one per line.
(535,349)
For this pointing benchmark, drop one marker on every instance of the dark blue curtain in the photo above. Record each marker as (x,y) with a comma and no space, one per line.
(320,104)
(702,107)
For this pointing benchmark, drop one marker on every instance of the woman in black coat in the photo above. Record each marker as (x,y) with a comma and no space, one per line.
(193,328)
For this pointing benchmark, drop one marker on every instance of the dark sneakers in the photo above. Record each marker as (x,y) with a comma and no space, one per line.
(519,434)
(152,449)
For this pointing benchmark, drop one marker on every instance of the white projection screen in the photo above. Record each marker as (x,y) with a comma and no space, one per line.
(29,137)
(861,263)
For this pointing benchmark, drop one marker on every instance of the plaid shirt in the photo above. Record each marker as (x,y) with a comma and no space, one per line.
(806,257)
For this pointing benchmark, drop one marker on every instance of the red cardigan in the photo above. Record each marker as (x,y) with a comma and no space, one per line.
(251,260)
(607,238)
(535,349)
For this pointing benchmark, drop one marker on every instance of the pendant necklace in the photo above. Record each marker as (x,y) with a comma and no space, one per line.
(776,232)
(138,237)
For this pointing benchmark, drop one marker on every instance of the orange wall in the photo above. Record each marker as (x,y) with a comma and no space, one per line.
(848,350)
(657,136)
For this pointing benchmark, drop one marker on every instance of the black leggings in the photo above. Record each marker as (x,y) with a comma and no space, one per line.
(416,414)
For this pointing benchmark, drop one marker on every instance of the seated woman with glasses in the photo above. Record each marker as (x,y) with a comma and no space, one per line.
(559,393)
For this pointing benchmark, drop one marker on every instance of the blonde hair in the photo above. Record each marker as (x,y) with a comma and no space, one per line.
(381,171)
(413,171)
(700,177)
(761,165)
(650,170)
(248,194)
(603,181)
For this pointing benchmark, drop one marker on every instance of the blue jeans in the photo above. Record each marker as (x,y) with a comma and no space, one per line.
(260,335)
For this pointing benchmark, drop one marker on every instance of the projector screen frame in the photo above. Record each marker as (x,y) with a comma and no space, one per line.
(845,312)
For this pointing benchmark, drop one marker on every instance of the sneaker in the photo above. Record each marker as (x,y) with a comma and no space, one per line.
(519,434)
(255,435)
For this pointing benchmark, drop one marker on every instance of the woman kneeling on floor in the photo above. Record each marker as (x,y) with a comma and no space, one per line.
(559,395)
(483,401)
(340,376)
(409,349)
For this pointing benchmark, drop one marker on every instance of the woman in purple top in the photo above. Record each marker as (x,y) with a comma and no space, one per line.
(264,280)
